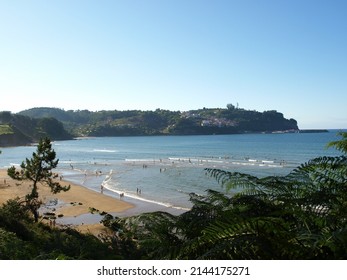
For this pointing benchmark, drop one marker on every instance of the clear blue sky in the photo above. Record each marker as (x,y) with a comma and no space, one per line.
(289,56)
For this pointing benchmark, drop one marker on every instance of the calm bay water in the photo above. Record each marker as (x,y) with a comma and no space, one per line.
(167,168)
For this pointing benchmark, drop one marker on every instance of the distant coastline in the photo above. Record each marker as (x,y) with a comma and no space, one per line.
(313,130)
(205,121)
(27,127)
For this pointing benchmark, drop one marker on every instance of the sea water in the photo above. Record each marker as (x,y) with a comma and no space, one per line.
(164,170)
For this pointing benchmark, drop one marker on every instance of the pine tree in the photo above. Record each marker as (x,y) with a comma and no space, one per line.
(38,170)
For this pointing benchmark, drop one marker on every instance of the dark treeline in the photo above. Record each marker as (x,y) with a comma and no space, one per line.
(164,122)
(17,129)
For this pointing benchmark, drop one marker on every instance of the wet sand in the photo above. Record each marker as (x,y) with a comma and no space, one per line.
(72,204)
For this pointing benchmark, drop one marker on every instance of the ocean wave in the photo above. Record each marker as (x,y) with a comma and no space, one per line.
(226,161)
(74,162)
(214,162)
(104,151)
(143,160)
(107,185)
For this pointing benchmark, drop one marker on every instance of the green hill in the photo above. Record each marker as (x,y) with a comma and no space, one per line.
(17,130)
(164,122)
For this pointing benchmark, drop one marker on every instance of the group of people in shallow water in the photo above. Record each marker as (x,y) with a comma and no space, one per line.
(138,191)
(121,195)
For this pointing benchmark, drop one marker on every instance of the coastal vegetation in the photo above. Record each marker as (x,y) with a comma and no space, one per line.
(19,130)
(23,239)
(164,122)
(302,215)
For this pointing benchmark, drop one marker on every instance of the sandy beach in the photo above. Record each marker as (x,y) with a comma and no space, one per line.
(73,203)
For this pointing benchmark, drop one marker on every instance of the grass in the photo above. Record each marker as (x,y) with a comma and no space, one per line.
(5,129)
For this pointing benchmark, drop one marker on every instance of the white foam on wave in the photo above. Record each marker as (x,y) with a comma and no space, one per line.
(73,161)
(267,161)
(106,184)
(105,151)
(141,159)
(217,162)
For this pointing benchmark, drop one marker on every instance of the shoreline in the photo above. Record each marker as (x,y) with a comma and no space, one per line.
(98,183)
(74,204)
